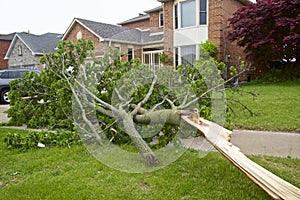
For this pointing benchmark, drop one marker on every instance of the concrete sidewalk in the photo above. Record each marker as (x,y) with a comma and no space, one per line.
(278,144)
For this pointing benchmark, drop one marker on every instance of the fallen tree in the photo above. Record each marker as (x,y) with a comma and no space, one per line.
(111,104)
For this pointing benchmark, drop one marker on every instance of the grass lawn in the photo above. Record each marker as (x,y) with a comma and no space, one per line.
(276,107)
(63,173)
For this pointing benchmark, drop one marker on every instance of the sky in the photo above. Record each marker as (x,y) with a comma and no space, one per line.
(43,16)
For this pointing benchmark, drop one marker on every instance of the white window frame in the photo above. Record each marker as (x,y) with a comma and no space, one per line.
(179,52)
(178,3)
(151,58)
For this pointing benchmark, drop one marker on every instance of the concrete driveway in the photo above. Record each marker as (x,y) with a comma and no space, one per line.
(3,114)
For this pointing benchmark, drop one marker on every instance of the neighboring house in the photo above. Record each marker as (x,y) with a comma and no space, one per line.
(26,49)
(176,28)
(133,42)
(5,41)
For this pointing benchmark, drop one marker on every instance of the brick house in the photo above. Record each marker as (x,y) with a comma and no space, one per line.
(175,28)
(5,41)
(26,49)
(135,43)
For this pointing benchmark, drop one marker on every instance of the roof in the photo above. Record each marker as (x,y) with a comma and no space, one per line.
(8,37)
(136,19)
(159,8)
(118,33)
(37,44)
(142,16)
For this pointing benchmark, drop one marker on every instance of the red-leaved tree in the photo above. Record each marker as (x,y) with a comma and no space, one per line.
(268,30)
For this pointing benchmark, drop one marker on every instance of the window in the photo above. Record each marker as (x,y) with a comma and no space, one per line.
(176,57)
(188,55)
(161,19)
(188,13)
(203,12)
(176,16)
(4,75)
(20,53)
(130,54)
(151,59)
(118,47)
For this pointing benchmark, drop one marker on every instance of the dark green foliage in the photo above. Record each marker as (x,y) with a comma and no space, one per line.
(32,139)
(48,104)
(268,31)
(49,101)
(278,75)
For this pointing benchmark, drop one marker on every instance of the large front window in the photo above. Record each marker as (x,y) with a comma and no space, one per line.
(188,13)
(188,55)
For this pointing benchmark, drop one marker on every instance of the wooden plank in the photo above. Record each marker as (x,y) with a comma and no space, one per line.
(219,137)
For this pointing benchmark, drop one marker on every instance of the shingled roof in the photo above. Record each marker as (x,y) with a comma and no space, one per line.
(8,37)
(136,19)
(117,33)
(37,44)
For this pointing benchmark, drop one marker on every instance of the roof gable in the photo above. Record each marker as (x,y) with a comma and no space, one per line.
(114,32)
(37,44)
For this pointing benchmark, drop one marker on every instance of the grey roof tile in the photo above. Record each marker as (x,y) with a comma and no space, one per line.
(135,19)
(7,36)
(40,44)
(120,33)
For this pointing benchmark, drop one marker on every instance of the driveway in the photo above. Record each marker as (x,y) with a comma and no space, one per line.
(3,114)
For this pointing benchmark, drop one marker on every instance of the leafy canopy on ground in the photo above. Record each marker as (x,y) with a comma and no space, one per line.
(93,87)
(72,173)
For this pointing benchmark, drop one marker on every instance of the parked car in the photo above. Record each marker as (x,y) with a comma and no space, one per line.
(8,75)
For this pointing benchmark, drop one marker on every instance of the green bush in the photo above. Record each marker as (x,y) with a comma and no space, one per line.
(49,101)
(33,138)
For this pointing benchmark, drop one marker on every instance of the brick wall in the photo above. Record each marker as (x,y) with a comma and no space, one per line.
(4,45)
(219,13)
(151,23)
(142,24)
(168,28)
(100,47)
(215,12)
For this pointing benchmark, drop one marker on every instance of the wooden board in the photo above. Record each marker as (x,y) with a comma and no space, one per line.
(219,137)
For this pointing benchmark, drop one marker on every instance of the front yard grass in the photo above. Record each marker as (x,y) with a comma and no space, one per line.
(276,107)
(72,173)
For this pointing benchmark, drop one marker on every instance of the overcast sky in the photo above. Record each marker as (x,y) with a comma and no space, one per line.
(42,16)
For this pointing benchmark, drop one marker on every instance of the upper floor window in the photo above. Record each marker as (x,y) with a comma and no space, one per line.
(161,19)
(176,16)
(203,12)
(188,13)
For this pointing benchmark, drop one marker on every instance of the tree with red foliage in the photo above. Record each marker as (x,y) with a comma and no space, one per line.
(269,30)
